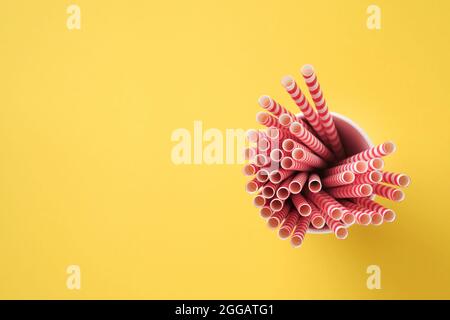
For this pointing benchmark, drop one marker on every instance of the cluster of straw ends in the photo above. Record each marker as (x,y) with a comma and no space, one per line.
(302,177)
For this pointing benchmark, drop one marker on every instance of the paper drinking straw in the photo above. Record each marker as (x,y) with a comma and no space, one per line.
(261,160)
(370,177)
(321,105)
(375,164)
(288,225)
(357,167)
(254,135)
(276,204)
(259,201)
(300,203)
(283,191)
(387,214)
(337,227)
(314,183)
(300,231)
(263,145)
(288,145)
(277,217)
(269,189)
(276,176)
(250,153)
(351,191)
(250,169)
(376,218)
(297,183)
(362,216)
(265,212)
(348,218)
(268,104)
(388,192)
(253,185)
(276,155)
(396,179)
(309,158)
(378,151)
(262,175)
(289,163)
(311,141)
(300,100)
(327,204)
(317,219)
(338,179)
(285,120)
(267,120)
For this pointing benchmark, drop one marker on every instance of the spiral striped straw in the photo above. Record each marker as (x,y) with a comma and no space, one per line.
(253,185)
(297,183)
(317,219)
(302,206)
(387,214)
(357,167)
(338,179)
(321,105)
(300,100)
(388,192)
(310,141)
(283,191)
(270,105)
(378,151)
(375,164)
(289,163)
(327,204)
(288,225)
(265,212)
(300,231)
(262,175)
(339,230)
(278,217)
(370,177)
(259,201)
(314,183)
(376,218)
(269,189)
(301,154)
(250,169)
(396,179)
(276,204)
(362,216)
(276,176)
(351,191)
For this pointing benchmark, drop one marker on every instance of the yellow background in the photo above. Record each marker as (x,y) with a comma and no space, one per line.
(85,122)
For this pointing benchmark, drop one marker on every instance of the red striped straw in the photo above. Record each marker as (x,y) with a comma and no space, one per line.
(269,189)
(348,218)
(276,155)
(288,225)
(379,151)
(300,100)
(276,204)
(262,175)
(259,201)
(267,120)
(276,176)
(285,120)
(357,167)
(327,204)
(376,218)
(337,227)
(370,177)
(362,216)
(321,105)
(297,183)
(253,185)
(300,231)
(338,179)
(277,218)
(396,179)
(388,192)
(265,212)
(301,154)
(250,169)
(250,153)
(351,191)
(302,206)
(317,219)
(254,135)
(283,191)
(270,105)
(289,163)
(311,141)
(387,214)
(314,183)
(375,164)
(261,160)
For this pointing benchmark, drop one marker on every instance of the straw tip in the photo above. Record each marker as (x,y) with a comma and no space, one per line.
(264,101)
(307,70)
(287,82)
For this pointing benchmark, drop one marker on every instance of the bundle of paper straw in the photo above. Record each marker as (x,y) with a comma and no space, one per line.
(302,177)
